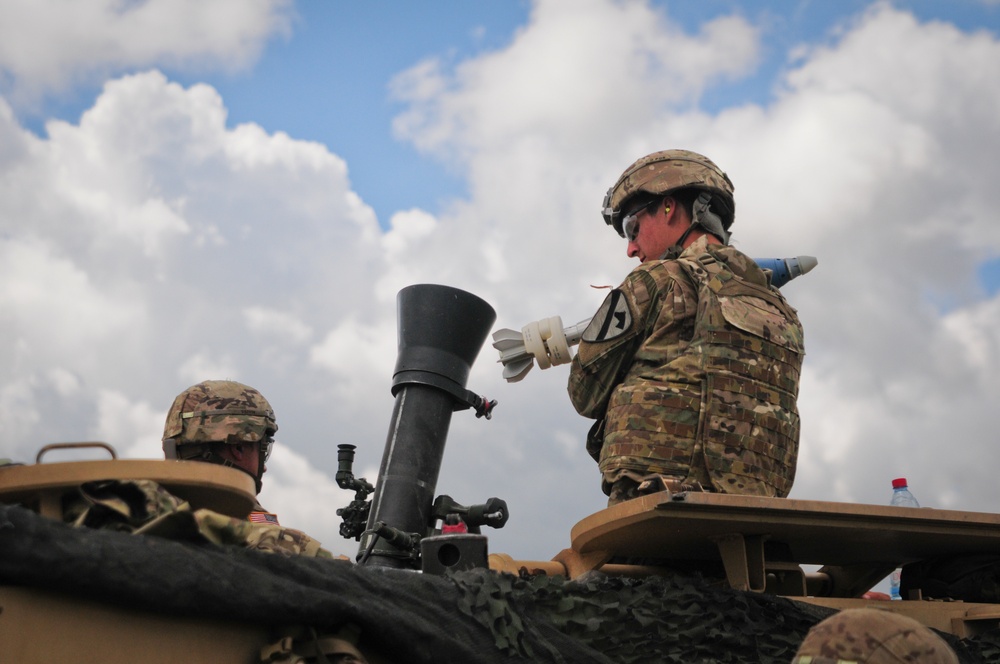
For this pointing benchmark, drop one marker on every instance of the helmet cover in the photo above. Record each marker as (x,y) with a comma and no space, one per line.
(219,411)
(660,173)
(872,636)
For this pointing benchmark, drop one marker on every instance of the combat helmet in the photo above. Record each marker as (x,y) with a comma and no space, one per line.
(218,412)
(663,172)
(872,636)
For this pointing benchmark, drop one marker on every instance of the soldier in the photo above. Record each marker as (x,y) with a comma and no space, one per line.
(691,366)
(223,422)
(217,421)
(872,636)
(228,423)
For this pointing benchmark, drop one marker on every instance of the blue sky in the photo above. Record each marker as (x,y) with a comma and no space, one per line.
(146,244)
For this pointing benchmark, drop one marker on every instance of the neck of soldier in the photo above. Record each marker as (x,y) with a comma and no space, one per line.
(691,235)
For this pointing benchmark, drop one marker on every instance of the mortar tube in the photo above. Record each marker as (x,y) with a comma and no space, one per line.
(441,330)
(418,431)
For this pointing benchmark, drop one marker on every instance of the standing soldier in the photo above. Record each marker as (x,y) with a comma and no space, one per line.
(691,366)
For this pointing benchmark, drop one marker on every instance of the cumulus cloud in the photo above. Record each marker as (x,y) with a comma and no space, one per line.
(47,45)
(353,349)
(275,323)
(107,273)
(562,77)
(138,423)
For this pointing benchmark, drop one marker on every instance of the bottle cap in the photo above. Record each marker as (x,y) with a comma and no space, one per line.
(899,483)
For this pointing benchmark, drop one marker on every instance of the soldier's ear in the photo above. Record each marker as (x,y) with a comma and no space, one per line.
(242,451)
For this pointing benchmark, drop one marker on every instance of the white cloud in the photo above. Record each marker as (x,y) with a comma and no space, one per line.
(19,413)
(306,499)
(278,324)
(65,383)
(206,365)
(44,294)
(354,349)
(563,77)
(140,248)
(405,230)
(977,337)
(133,428)
(46,45)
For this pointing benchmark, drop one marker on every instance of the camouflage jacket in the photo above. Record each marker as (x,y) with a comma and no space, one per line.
(145,507)
(692,368)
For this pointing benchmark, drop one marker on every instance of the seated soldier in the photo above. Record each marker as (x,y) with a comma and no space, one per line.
(232,424)
(223,422)
(215,421)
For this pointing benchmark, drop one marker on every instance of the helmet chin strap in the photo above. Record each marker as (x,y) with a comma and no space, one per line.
(259,478)
(229,463)
(675,250)
(702,216)
(208,455)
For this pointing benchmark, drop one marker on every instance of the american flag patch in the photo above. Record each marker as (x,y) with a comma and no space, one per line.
(264,517)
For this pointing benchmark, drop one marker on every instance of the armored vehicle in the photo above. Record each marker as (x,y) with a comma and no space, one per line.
(668,577)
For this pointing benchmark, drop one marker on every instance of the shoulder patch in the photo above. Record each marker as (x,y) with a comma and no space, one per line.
(612,320)
(263,517)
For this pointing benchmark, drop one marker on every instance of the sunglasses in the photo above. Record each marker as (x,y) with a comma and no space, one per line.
(630,223)
(266,446)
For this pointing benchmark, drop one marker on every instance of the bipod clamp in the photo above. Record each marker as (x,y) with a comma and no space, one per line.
(492,513)
(407,544)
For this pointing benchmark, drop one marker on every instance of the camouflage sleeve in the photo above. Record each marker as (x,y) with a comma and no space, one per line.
(223,530)
(609,343)
(122,505)
(146,508)
(287,541)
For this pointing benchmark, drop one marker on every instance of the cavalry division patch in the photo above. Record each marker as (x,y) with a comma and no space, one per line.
(612,320)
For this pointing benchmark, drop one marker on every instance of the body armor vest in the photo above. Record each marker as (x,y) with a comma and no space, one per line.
(720,409)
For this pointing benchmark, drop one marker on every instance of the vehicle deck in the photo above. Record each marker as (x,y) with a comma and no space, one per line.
(857,545)
(41,486)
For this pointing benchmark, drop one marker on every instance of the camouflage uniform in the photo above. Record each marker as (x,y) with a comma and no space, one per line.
(221,529)
(691,368)
(872,636)
(224,412)
(145,507)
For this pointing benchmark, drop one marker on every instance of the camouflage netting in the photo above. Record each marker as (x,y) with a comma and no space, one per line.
(499,618)
(679,618)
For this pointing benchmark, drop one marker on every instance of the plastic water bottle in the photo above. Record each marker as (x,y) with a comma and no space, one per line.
(901,497)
